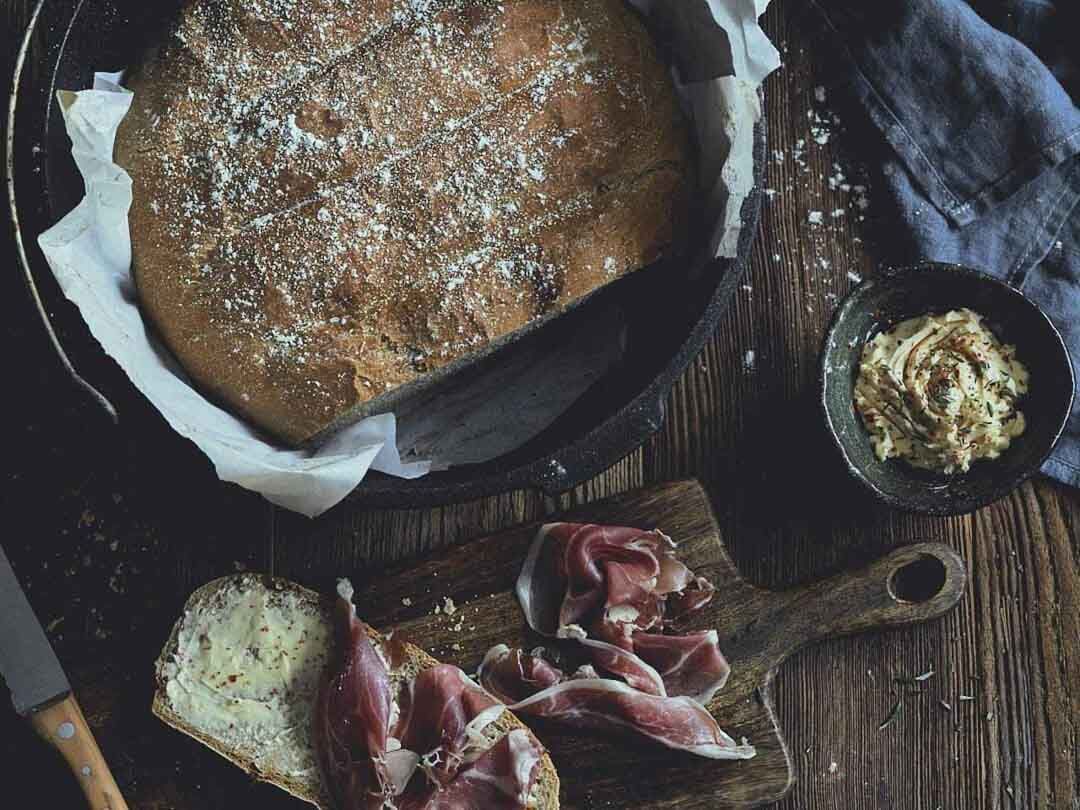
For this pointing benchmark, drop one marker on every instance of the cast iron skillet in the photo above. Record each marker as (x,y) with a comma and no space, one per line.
(670,311)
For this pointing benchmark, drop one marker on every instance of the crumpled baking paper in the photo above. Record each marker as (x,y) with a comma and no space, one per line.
(724,105)
(89,252)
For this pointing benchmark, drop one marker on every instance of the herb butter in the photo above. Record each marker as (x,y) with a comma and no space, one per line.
(940,392)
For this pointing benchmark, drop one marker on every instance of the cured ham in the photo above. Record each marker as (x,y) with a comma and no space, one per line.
(386,742)
(615,591)
(690,665)
(606,704)
(626,664)
(500,779)
(352,715)
(693,597)
(609,582)
(608,587)
(606,582)
(442,715)
(514,676)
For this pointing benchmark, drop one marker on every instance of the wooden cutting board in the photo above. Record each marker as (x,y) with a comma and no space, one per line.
(758,630)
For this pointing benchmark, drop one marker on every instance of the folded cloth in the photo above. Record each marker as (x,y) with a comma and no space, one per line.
(976,103)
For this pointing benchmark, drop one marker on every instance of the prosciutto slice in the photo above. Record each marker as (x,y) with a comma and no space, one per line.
(606,582)
(511,675)
(628,665)
(606,704)
(607,587)
(500,779)
(615,591)
(442,716)
(690,665)
(435,754)
(352,715)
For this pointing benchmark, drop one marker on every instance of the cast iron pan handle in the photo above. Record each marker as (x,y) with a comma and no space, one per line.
(28,277)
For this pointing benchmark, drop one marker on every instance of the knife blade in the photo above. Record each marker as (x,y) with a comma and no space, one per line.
(27,662)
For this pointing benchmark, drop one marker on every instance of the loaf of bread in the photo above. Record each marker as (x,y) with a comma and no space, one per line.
(335,199)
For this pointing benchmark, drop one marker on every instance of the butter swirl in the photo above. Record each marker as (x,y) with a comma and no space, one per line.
(940,391)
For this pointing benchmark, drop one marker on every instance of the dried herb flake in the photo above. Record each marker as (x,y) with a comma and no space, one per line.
(893,714)
(905,680)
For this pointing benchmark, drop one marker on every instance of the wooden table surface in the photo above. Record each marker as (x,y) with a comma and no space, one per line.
(110,529)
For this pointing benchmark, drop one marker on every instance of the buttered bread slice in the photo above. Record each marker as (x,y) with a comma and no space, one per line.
(242,673)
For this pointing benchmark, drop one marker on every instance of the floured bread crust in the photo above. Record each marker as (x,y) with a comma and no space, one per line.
(334,199)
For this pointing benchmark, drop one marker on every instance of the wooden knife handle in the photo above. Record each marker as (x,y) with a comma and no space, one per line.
(64,727)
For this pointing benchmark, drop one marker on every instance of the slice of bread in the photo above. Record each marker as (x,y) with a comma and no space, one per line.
(241,671)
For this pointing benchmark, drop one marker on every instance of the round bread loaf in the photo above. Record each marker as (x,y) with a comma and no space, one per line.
(334,198)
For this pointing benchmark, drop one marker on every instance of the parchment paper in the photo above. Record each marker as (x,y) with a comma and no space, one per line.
(718,69)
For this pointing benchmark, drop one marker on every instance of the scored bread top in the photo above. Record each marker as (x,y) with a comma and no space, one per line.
(241,671)
(332,202)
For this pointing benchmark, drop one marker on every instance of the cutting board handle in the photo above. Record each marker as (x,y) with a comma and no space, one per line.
(64,727)
(911,584)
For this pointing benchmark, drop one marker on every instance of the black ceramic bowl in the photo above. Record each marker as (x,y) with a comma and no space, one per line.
(896,294)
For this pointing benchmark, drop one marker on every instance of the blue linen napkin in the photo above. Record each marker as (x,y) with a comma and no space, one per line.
(977,105)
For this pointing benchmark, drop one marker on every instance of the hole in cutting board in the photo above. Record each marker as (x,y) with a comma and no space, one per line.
(919,580)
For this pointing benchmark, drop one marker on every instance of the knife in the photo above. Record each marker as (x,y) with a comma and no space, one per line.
(42,694)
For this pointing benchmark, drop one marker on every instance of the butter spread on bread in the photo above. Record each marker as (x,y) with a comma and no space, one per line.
(244,669)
